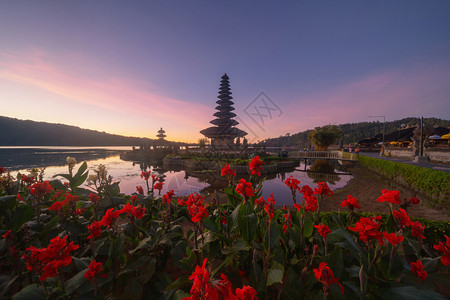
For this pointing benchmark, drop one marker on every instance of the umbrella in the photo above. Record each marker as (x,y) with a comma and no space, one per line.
(446,136)
(435,137)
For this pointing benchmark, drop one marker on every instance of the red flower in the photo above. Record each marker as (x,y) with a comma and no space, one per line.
(95,230)
(2,170)
(326,276)
(201,288)
(393,238)
(417,229)
(292,183)
(57,206)
(306,191)
(311,203)
(79,211)
(287,222)
(146,175)
(27,180)
(168,196)
(198,212)
(351,203)
(402,217)
(223,219)
(390,196)
(154,178)
(418,270)
(269,209)
(255,166)
(414,200)
(246,293)
(40,189)
(140,190)
(7,234)
(134,199)
(94,198)
(323,189)
(227,171)
(110,217)
(298,206)
(323,230)
(245,188)
(445,248)
(48,261)
(158,186)
(19,198)
(138,212)
(259,202)
(368,229)
(94,269)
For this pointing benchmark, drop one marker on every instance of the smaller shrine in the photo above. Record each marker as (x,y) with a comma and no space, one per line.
(161,134)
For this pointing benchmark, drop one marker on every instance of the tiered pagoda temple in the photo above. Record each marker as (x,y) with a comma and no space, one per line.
(224,133)
(161,134)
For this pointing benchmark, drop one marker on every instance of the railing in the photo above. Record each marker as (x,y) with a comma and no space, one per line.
(322,155)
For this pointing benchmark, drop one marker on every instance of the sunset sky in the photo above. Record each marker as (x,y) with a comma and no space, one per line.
(130,67)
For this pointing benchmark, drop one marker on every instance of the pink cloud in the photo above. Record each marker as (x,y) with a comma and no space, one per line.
(83,83)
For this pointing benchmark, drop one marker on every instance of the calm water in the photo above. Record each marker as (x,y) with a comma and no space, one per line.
(181,181)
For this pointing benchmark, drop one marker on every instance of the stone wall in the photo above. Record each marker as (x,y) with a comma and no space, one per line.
(434,155)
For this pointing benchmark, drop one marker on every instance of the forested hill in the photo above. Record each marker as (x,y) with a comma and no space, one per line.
(14,132)
(354,132)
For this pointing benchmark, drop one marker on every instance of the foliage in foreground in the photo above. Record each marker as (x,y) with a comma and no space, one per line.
(61,241)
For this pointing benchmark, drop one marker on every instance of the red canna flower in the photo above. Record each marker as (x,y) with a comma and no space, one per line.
(255,166)
(351,203)
(298,207)
(306,191)
(168,196)
(27,179)
(245,188)
(2,170)
(414,200)
(198,212)
(402,217)
(138,212)
(445,249)
(326,276)
(390,196)
(94,269)
(311,203)
(79,211)
(223,219)
(323,190)
(19,198)
(417,229)
(57,206)
(201,288)
(94,198)
(140,190)
(7,235)
(393,238)
(323,230)
(227,171)
(418,270)
(292,183)
(154,178)
(146,175)
(246,293)
(259,202)
(158,186)
(110,217)
(134,200)
(269,209)
(287,222)
(95,230)
(368,229)
(40,189)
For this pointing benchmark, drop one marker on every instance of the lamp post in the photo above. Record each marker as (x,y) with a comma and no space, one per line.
(384,126)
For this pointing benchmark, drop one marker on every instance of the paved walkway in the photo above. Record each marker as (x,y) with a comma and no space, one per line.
(425,164)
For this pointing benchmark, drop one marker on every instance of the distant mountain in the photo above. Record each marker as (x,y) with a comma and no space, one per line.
(354,132)
(14,132)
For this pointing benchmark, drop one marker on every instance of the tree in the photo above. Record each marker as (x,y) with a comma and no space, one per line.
(202,142)
(322,137)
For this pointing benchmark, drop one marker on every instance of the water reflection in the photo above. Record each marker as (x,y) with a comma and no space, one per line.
(175,178)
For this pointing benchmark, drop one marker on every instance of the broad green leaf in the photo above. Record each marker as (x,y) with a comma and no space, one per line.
(30,292)
(76,282)
(275,275)
(7,202)
(308,227)
(6,282)
(22,214)
(180,294)
(410,293)
(80,171)
(79,181)
(66,176)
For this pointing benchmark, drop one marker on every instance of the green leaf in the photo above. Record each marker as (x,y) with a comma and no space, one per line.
(81,170)
(180,294)
(7,202)
(308,227)
(66,176)
(79,181)
(76,282)
(22,214)
(275,275)
(410,293)
(6,282)
(30,292)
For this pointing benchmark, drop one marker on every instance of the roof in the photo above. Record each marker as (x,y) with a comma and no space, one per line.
(223,131)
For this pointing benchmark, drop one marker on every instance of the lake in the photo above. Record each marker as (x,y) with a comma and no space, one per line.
(22,159)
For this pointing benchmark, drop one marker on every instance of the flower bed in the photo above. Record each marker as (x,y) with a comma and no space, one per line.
(61,241)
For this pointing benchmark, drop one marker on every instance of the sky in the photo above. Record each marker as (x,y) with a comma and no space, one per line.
(131,67)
